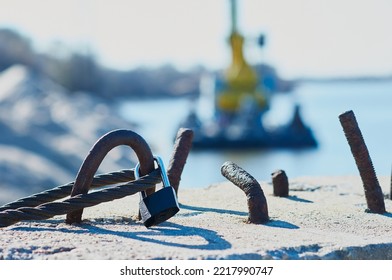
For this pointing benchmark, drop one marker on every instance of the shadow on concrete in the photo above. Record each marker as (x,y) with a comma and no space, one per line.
(215,210)
(271,223)
(212,241)
(281,224)
(296,198)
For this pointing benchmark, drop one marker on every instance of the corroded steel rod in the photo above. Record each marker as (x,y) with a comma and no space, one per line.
(373,191)
(257,203)
(280,183)
(182,147)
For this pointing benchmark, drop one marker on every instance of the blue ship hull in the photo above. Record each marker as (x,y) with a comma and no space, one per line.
(250,134)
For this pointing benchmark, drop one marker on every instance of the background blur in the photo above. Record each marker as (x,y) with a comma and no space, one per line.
(74,70)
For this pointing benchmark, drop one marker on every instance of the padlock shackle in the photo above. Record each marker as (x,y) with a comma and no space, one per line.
(161,166)
(165,179)
(96,155)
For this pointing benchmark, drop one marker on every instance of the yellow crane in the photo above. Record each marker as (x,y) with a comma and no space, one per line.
(239,104)
(242,81)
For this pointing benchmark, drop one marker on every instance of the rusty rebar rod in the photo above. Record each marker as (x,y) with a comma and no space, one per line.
(280,183)
(182,147)
(373,191)
(257,203)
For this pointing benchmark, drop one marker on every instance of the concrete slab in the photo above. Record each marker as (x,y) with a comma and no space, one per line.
(324,218)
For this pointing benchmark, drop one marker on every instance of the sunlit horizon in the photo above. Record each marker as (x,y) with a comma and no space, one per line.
(303,38)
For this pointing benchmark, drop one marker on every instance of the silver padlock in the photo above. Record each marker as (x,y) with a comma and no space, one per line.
(161,205)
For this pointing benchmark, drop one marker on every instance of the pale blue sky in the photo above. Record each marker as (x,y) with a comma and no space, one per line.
(304,37)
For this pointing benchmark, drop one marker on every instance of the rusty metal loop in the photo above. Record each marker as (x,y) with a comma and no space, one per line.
(96,155)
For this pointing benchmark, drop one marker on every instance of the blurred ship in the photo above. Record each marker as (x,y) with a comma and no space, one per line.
(236,106)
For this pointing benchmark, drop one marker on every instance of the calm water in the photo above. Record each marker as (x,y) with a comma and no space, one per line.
(321,105)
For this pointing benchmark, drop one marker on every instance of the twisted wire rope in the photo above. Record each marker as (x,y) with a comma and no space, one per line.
(121,176)
(18,211)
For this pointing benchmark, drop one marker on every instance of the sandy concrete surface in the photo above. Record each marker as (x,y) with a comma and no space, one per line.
(323,218)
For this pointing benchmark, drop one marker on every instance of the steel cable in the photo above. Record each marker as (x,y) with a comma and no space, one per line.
(10,216)
(62,191)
